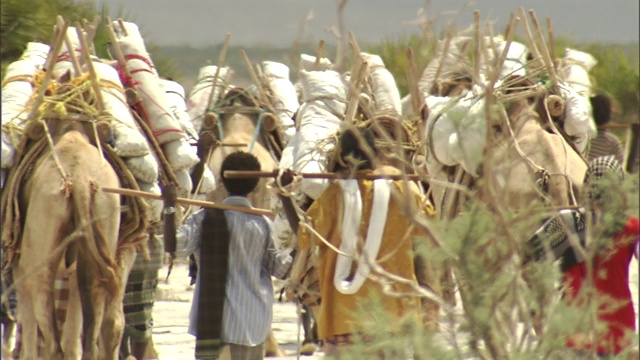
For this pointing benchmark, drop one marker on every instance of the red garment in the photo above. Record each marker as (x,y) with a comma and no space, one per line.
(610,274)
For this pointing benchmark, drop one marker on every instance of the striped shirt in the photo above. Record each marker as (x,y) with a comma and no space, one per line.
(253,259)
(604,144)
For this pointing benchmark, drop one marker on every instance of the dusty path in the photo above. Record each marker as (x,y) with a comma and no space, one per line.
(174,300)
(171,318)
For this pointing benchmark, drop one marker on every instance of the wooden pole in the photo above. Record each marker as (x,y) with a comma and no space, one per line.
(92,71)
(412,81)
(319,54)
(50,63)
(183,201)
(233,174)
(527,32)
(546,58)
(221,59)
(552,44)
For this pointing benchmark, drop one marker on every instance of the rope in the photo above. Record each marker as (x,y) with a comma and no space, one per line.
(256,133)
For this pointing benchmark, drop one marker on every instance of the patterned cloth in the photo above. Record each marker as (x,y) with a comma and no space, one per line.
(605,144)
(597,171)
(140,292)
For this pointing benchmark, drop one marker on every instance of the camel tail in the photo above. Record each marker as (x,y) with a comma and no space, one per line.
(96,264)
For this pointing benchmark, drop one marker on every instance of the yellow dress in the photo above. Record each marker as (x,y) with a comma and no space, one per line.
(338,311)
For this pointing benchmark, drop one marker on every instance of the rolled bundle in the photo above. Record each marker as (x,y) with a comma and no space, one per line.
(201,91)
(177,104)
(164,126)
(574,71)
(155,206)
(17,89)
(308,63)
(578,120)
(319,118)
(129,140)
(180,154)
(183,177)
(285,99)
(456,131)
(449,63)
(208,182)
(143,168)
(383,85)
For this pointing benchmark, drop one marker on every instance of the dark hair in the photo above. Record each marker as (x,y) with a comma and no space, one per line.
(350,146)
(239,161)
(601,105)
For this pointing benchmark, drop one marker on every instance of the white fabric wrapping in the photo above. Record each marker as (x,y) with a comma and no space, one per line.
(208,181)
(578,120)
(308,63)
(8,151)
(180,154)
(281,230)
(163,124)
(515,60)
(201,91)
(143,168)
(453,60)
(15,95)
(155,206)
(458,135)
(575,71)
(285,99)
(177,104)
(183,177)
(129,140)
(383,85)
(352,215)
(319,118)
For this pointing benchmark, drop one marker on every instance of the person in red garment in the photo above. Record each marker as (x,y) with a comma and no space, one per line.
(608,272)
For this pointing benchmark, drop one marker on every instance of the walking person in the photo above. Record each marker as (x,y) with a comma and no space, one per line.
(232,305)
(603,279)
(369,215)
(605,143)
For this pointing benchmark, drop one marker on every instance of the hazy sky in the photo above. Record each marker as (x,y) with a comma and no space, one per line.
(277,22)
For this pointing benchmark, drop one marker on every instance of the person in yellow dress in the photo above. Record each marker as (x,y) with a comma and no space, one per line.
(371,219)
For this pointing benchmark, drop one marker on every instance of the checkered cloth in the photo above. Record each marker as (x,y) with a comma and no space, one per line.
(599,169)
(139,295)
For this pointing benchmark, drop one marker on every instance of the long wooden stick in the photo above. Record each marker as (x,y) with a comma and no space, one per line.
(234,174)
(95,80)
(546,58)
(54,50)
(552,44)
(221,59)
(183,201)
(412,81)
(527,32)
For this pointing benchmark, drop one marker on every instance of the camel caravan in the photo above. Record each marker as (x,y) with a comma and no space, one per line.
(100,157)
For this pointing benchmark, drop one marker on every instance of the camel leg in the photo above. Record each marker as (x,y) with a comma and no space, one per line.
(271,346)
(93,309)
(309,342)
(112,332)
(7,331)
(72,327)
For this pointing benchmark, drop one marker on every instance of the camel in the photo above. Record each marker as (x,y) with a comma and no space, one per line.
(71,226)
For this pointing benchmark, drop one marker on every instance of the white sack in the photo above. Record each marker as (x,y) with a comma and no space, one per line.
(63,62)
(575,71)
(201,91)
(164,126)
(308,63)
(183,177)
(129,140)
(180,154)
(208,182)
(143,168)
(285,99)
(383,86)
(319,118)
(154,213)
(8,151)
(578,120)
(177,104)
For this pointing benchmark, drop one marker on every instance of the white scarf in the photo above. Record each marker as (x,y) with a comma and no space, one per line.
(350,228)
